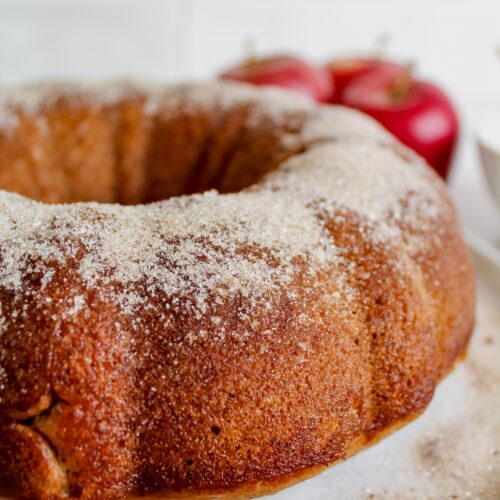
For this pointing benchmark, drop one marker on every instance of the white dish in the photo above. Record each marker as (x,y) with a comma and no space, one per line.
(453,449)
(489,150)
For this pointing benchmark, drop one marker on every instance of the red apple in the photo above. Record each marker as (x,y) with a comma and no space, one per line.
(344,70)
(285,71)
(418,113)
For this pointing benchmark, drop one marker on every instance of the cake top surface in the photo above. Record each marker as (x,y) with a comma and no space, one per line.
(208,247)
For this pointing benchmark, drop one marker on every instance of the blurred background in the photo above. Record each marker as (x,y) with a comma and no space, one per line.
(453,42)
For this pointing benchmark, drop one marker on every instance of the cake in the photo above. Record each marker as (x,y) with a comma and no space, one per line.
(211,290)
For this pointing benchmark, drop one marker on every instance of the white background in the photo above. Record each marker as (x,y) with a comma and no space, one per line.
(453,42)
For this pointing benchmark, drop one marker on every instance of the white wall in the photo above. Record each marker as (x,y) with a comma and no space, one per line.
(451,40)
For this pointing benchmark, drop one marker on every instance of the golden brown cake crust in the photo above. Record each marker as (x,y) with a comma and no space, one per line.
(222,344)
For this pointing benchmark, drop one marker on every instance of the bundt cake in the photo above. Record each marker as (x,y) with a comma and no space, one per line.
(212,290)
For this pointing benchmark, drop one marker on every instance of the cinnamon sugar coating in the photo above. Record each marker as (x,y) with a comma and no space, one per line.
(212,289)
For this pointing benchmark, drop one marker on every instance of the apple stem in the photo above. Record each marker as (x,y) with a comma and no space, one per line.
(402,85)
(250,51)
(380,45)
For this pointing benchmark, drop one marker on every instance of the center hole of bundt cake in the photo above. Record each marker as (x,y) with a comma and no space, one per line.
(195,153)
(77,152)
